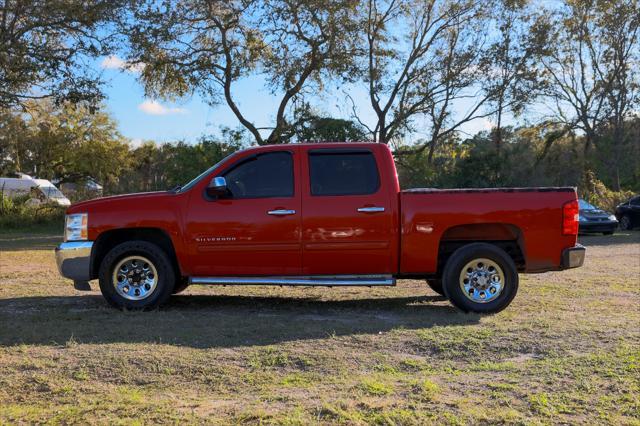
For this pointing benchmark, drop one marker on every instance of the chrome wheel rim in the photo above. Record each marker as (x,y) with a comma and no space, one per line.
(135,278)
(482,280)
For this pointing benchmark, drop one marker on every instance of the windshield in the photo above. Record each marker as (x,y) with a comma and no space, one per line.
(52,192)
(198,178)
(586,206)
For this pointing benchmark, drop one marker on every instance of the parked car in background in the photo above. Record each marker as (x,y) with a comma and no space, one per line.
(593,219)
(82,189)
(39,190)
(628,213)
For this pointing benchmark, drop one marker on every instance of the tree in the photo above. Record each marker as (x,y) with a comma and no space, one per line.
(420,57)
(511,80)
(206,47)
(619,23)
(12,130)
(65,142)
(307,125)
(45,48)
(589,67)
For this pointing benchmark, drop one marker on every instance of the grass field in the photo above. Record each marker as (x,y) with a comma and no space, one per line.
(566,351)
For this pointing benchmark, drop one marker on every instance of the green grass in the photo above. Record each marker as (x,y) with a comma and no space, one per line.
(566,351)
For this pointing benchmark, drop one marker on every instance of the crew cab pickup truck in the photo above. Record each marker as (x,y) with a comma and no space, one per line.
(327,214)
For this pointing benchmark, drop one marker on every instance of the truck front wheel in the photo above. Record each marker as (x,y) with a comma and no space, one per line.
(480,278)
(136,275)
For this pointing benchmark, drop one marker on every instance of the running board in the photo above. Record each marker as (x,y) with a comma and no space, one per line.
(317,280)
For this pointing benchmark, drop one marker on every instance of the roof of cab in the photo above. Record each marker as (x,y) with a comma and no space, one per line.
(314,145)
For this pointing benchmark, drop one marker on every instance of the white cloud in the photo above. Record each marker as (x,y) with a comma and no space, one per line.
(136,143)
(477,125)
(114,62)
(156,108)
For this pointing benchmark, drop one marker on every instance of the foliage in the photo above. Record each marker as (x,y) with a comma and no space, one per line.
(308,125)
(427,67)
(67,143)
(476,162)
(594,192)
(421,69)
(160,167)
(45,46)
(15,214)
(206,47)
(589,65)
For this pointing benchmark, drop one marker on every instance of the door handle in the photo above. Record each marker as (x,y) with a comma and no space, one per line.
(281,212)
(371,209)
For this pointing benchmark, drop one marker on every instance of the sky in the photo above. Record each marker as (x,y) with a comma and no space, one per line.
(140,118)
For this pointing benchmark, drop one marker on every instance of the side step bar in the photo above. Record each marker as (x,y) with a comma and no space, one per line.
(314,280)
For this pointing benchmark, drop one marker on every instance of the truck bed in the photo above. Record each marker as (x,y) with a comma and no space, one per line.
(528,220)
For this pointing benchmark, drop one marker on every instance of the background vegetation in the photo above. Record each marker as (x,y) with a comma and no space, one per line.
(558,82)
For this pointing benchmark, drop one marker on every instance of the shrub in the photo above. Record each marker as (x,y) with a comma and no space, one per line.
(16,214)
(595,192)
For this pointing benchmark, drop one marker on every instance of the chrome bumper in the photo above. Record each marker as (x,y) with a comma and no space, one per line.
(573,257)
(74,260)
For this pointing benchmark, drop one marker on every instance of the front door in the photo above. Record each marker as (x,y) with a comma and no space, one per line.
(255,230)
(347,218)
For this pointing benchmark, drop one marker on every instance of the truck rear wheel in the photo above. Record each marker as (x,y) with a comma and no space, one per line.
(480,278)
(136,275)
(436,285)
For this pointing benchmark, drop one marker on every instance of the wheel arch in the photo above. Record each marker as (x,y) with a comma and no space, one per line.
(109,239)
(507,236)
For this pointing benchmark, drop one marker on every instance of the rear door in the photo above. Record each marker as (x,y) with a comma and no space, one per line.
(347,213)
(255,230)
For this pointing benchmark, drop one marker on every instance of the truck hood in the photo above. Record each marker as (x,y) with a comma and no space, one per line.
(103,202)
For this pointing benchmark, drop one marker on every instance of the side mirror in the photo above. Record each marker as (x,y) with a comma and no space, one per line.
(217,187)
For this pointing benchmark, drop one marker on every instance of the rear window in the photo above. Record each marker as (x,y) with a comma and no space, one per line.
(343,173)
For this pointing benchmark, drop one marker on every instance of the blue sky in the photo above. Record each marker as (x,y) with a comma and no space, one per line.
(140,118)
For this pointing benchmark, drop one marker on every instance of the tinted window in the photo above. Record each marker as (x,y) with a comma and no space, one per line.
(585,206)
(350,173)
(265,175)
(635,201)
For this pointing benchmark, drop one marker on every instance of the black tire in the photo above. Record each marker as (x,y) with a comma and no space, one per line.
(625,223)
(181,285)
(165,275)
(461,258)
(436,285)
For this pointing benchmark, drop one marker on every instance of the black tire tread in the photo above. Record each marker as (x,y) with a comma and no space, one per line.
(166,273)
(461,257)
(436,285)
(181,285)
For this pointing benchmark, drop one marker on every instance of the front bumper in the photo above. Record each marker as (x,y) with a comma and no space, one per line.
(573,257)
(74,260)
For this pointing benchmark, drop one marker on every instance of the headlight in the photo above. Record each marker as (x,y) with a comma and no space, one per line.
(75,227)
(612,217)
(582,218)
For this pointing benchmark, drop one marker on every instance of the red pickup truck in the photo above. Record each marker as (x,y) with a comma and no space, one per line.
(329,214)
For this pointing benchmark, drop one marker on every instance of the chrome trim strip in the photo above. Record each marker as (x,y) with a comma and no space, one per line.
(317,280)
(74,260)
